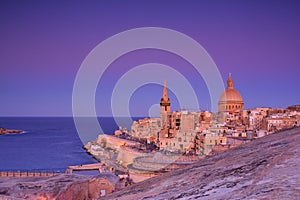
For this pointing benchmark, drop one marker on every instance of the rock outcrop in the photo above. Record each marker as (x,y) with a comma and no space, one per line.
(60,187)
(6,131)
(267,168)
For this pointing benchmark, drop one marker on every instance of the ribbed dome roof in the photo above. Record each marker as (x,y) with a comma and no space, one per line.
(230,94)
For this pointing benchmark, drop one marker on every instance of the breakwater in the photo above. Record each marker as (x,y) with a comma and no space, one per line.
(27,174)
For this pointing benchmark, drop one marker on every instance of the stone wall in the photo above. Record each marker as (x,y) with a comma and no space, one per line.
(26,174)
(154,162)
(109,141)
(126,155)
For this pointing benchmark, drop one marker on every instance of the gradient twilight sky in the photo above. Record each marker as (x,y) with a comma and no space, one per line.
(43,44)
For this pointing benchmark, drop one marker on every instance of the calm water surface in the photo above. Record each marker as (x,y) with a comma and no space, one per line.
(47,144)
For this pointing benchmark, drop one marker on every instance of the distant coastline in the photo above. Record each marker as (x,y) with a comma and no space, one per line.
(4,131)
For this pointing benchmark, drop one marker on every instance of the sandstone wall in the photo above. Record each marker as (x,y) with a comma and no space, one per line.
(127,155)
(154,162)
(113,142)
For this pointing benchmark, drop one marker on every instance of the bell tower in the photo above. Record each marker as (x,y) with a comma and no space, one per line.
(164,106)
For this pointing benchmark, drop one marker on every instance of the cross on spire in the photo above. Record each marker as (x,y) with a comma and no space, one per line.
(229,81)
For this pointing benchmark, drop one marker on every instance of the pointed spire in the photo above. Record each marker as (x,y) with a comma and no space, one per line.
(229,81)
(165,92)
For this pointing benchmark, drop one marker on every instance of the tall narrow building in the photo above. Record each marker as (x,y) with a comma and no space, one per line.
(164,106)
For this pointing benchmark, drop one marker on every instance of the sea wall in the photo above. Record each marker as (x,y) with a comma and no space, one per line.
(27,174)
(109,141)
(108,147)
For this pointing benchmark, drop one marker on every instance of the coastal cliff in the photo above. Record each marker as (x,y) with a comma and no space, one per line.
(265,168)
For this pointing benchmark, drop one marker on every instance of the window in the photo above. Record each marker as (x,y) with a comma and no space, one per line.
(102,193)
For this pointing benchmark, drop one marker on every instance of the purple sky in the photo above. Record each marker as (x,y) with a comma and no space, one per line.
(44,43)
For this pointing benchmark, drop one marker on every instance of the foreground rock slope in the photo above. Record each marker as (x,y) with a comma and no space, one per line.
(59,187)
(267,168)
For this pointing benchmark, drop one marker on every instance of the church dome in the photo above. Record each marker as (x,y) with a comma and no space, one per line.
(230,99)
(230,95)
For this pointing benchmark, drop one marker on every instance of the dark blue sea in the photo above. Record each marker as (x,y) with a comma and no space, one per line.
(47,143)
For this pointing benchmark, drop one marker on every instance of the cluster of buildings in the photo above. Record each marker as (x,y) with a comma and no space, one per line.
(203,132)
(179,138)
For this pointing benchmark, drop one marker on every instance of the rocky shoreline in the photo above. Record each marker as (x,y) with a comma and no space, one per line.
(128,156)
(4,131)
